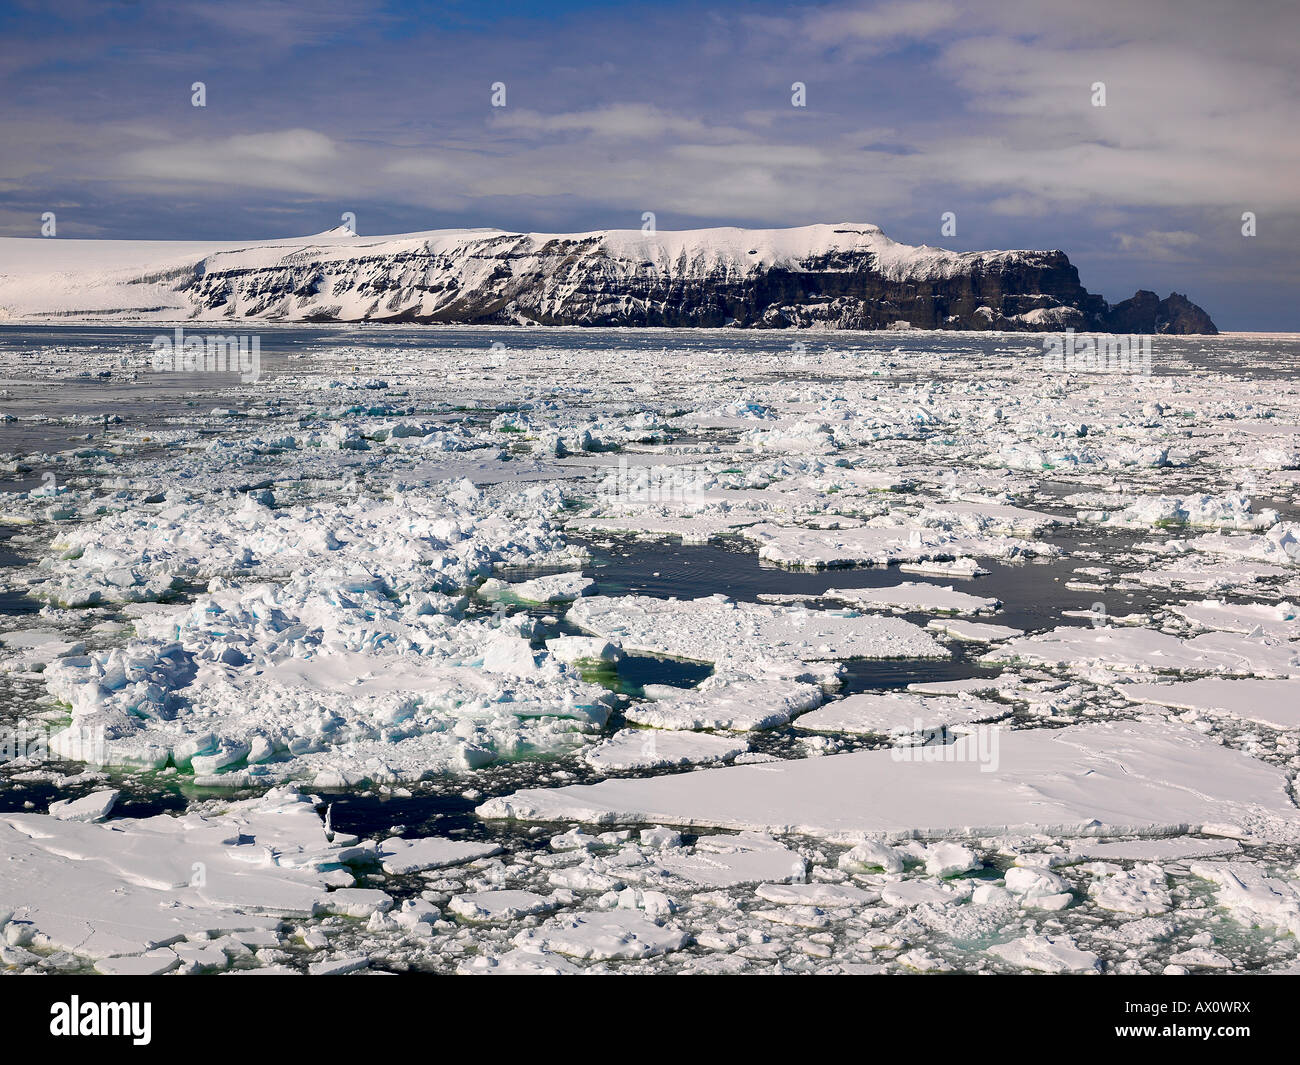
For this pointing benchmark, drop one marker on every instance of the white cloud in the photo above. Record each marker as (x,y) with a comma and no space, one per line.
(882,24)
(299,160)
(630,121)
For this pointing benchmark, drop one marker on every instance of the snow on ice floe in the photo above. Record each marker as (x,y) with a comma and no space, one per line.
(1220,512)
(972,631)
(402,856)
(717,629)
(34,649)
(1047,955)
(93,807)
(1272,619)
(902,713)
(655,748)
(1275,703)
(1138,650)
(1141,890)
(1126,778)
(982,516)
(1149,850)
(502,904)
(725,861)
(1253,896)
(135,885)
(600,936)
(1196,573)
(958,567)
(739,703)
(556,588)
(791,545)
(1280,545)
(583,649)
(910,596)
(906,597)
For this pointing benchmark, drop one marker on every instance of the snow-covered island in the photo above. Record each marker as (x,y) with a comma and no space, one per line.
(840,276)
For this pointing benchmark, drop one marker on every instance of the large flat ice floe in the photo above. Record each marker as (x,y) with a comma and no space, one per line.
(653,748)
(907,597)
(1138,650)
(1275,703)
(1130,778)
(791,545)
(135,885)
(879,714)
(716,629)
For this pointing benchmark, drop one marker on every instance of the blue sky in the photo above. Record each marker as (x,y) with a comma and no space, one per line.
(982,108)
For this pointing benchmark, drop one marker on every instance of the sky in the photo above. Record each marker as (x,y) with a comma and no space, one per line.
(983,108)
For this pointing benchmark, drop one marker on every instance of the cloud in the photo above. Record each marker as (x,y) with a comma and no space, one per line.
(624,121)
(1154,244)
(296,160)
(881,24)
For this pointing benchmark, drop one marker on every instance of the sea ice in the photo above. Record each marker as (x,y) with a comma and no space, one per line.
(717,629)
(557,588)
(1271,619)
(724,861)
(897,714)
(913,597)
(614,934)
(724,701)
(401,856)
(880,546)
(92,807)
(499,905)
(654,748)
(1137,650)
(1047,955)
(1251,895)
(1148,777)
(130,886)
(1275,703)
(972,631)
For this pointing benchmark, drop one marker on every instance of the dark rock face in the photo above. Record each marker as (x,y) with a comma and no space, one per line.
(1147,313)
(839,294)
(842,277)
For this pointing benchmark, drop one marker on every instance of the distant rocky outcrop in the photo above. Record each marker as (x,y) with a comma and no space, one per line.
(846,276)
(1148,313)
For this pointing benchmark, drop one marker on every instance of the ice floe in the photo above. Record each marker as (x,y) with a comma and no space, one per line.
(653,748)
(1130,650)
(131,886)
(715,629)
(899,714)
(723,701)
(1275,703)
(1142,777)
